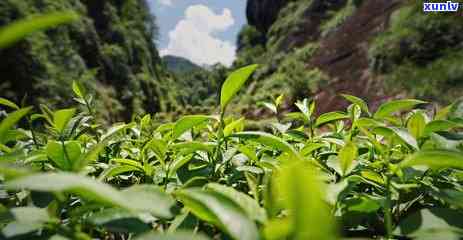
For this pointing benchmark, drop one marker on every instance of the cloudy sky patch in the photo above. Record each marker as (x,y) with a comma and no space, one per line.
(165,2)
(203,31)
(193,37)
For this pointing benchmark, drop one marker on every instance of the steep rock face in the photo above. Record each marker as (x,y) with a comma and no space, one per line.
(263,13)
(109,49)
(343,55)
(375,49)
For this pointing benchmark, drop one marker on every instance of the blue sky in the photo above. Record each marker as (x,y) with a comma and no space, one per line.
(203,31)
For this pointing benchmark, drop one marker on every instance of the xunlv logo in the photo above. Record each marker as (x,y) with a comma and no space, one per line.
(448,6)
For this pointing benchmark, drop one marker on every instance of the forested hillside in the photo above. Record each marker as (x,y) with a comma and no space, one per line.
(102,139)
(376,49)
(110,49)
(179,65)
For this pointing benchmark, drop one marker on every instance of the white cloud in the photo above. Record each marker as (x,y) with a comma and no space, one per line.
(193,37)
(165,2)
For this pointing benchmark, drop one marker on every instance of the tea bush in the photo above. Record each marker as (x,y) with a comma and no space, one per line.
(393,173)
(350,173)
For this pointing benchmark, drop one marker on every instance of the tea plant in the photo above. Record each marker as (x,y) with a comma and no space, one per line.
(394,173)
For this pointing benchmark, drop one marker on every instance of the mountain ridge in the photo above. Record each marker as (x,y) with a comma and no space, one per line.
(179,65)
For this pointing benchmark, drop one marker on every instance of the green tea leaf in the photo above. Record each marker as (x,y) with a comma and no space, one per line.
(186,123)
(400,133)
(268,140)
(309,148)
(347,155)
(456,110)
(67,182)
(443,113)
(30,215)
(306,107)
(62,117)
(115,129)
(128,162)
(8,103)
(431,221)
(372,176)
(78,89)
(58,237)
(245,202)
(279,100)
(330,117)
(391,107)
(301,191)
(435,159)
(233,84)
(360,102)
(158,146)
(20,29)
(92,154)
(149,198)
(416,124)
(220,211)
(270,106)
(249,152)
(139,198)
(64,156)
(439,125)
(145,121)
(186,148)
(27,220)
(178,235)
(236,125)
(118,220)
(368,123)
(10,121)
(361,204)
(178,163)
(453,197)
(117,170)
(405,136)
(14,228)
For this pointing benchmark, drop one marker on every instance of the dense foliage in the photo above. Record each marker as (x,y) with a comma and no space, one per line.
(286,44)
(425,49)
(179,65)
(394,173)
(110,49)
(399,51)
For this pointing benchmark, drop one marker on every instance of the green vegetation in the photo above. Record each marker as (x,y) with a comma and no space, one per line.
(283,56)
(199,87)
(395,172)
(251,44)
(179,65)
(352,173)
(285,73)
(339,17)
(290,20)
(425,50)
(108,45)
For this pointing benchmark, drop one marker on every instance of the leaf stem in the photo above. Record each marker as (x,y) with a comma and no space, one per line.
(66,155)
(388,208)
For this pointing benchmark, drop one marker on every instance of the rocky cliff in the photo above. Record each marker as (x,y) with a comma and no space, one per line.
(374,49)
(110,49)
